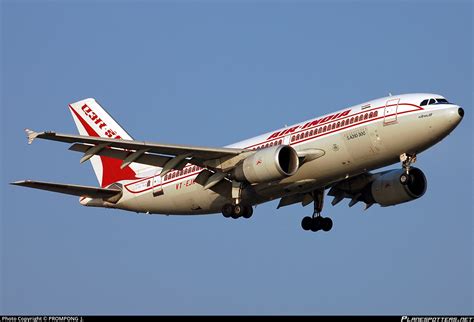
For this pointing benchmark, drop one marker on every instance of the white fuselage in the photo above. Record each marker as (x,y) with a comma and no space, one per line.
(355,140)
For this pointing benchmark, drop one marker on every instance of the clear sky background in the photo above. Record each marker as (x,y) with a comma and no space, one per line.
(213,73)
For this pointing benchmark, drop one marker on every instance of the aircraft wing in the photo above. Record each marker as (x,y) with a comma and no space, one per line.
(159,148)
(70,189)
(167,156)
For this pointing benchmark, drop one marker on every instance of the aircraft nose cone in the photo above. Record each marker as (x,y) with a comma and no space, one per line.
(461,112)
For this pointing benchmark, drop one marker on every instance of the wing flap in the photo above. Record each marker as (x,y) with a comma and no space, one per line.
(70,189)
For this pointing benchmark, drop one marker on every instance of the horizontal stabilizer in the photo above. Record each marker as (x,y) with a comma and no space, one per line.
(70,189)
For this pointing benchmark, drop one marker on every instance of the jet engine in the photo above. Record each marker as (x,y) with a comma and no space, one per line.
(268,164)
(388,189)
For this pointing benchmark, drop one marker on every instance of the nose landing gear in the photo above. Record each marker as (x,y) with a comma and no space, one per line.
(317,222)
(407,160)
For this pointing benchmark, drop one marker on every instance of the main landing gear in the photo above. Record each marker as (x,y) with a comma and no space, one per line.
(407,160)
(237,208)
(317,222)
(237,211)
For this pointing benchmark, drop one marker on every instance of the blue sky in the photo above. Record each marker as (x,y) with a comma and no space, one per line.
(213,73)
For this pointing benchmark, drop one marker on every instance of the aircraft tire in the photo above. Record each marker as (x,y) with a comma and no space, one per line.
(227,210)
(306,223)
(316,224)
(248,212)
(404,179)
(326,224)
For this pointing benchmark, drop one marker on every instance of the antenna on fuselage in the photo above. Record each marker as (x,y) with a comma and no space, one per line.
(389,93)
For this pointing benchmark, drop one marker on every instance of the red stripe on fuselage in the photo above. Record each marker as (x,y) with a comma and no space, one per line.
(330,122)
(295,142)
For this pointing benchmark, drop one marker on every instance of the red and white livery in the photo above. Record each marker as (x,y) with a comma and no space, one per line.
(296,164)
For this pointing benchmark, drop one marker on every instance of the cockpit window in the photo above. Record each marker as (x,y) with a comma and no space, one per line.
(434,101)
(442,101)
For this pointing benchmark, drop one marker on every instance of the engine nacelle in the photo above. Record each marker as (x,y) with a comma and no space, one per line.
(273,163)
(387,190)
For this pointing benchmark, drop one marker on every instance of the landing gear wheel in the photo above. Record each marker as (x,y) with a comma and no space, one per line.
(237,211)
(326,224)
(405,178)
(227,210)
(316,224)
(248,211)
(306,223)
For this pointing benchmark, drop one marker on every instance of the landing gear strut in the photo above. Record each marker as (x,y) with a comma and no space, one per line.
(407,160)
(317,222)
(237,208)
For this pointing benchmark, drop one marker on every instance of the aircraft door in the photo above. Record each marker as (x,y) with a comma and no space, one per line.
(157,184)
(390,112)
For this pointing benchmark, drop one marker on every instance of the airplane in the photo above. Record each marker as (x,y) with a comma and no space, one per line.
(296,164)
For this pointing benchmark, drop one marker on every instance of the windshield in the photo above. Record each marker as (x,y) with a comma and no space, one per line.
(432,101)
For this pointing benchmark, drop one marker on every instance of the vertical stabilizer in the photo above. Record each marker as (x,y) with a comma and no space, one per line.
(92,120)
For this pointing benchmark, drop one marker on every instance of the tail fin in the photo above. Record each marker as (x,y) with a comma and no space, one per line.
(92,120)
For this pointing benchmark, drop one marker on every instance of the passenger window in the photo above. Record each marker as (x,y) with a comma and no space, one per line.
(306,134)
(293,138)
(352,120)
(324,128)
(338,124)
(376,113)
(356,119)
(333,126)
(366,116)
(311,133)
(424,103)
